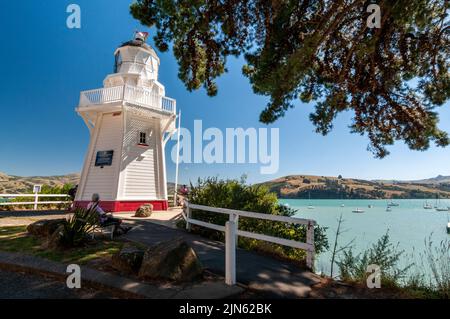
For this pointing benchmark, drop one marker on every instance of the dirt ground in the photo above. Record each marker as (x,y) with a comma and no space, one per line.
(331,289)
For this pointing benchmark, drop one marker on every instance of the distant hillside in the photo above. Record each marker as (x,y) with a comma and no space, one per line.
(326,187)
(435,180)
(292,186)
(10,184)
(18,184)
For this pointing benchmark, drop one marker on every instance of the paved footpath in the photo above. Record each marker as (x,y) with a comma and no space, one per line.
(18,285)
(275,278)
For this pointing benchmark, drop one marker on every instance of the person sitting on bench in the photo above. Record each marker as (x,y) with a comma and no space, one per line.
(104,218)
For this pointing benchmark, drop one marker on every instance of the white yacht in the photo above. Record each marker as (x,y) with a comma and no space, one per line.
(427,205)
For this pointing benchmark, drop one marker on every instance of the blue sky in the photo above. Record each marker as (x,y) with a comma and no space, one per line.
(44,66)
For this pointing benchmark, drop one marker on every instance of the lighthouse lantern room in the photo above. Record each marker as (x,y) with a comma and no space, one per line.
(130,120)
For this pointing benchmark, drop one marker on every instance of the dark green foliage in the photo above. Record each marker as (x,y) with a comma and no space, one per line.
(46,189)
(74,231)
(322,52)
(236,194)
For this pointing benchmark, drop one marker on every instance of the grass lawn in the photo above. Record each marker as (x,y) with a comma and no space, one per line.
(16,239)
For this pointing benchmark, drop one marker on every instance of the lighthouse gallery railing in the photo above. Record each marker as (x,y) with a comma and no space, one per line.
(128,93)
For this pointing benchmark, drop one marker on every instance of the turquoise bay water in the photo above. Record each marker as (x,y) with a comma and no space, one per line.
(409,224)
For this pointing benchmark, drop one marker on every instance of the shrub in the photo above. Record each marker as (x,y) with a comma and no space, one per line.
(413,282)
(75,230)
(236,194)
(46,189)
(383,253)
(437,259)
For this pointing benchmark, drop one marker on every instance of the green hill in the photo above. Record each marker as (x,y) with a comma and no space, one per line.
(326,187)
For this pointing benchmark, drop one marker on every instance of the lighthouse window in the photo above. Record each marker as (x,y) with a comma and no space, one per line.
(142,138)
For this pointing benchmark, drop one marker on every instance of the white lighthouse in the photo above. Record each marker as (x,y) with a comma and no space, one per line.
(130,120)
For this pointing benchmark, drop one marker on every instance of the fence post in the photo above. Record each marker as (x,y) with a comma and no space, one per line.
(235,218)
(188,216)
(310,241)
(230,253)
(36,199)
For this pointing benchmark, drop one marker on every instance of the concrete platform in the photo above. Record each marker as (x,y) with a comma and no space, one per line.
(167,218)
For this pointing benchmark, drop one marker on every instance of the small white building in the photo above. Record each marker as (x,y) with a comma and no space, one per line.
(130,120)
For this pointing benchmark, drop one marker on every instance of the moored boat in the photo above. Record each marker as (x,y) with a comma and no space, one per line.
(427,205)
(391,203)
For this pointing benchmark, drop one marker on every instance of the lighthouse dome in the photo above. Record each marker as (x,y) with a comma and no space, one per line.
(135,62)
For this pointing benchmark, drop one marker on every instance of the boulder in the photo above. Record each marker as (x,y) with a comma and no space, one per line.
(128,260)
(144,211)
(171,260)
(44,227)
(54,240)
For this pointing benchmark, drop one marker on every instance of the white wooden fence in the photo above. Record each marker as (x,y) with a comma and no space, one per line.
(35,202)
(231,230)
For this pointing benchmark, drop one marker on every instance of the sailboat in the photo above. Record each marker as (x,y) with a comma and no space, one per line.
(440,208)
(427,205)
(310,206)
(448,225)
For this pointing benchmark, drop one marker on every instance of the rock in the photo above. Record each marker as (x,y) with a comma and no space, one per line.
(44,227)
(54,240)
(144,211)
(128,260)
(171,260)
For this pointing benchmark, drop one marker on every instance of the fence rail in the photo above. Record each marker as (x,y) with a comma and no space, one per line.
(232,231)
(36,201)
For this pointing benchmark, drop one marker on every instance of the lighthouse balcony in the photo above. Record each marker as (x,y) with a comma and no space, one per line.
(126,94)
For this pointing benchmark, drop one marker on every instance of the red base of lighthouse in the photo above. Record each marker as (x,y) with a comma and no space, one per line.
(125,206)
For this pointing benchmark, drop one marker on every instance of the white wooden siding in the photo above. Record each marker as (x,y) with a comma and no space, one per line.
(140,163)
(104,180)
